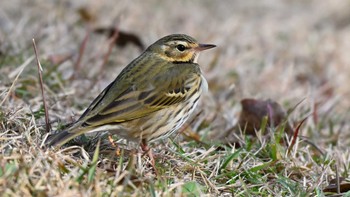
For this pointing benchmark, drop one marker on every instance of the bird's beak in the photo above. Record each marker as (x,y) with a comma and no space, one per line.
(202,47)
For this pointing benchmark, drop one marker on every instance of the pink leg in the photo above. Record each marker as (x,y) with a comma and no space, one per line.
(146,149)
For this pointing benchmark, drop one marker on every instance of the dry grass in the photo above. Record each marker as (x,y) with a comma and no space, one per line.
(286,51)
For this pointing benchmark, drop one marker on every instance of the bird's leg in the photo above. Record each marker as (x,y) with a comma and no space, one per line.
(117,149)
(147,150)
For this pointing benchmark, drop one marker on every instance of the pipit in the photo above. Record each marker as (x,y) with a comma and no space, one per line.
(150,99)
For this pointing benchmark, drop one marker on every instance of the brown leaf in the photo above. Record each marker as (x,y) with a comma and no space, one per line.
(253,111)
(332,187)
(123,39)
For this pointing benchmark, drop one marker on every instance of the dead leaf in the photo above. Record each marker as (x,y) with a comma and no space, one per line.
(123,39)
(253,112)
(332,187)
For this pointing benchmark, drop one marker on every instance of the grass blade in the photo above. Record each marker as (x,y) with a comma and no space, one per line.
(92,170)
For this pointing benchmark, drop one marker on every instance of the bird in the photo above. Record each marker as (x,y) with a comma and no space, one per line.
(150,99)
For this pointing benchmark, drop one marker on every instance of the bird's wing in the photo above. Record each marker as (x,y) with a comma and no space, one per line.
(135,101)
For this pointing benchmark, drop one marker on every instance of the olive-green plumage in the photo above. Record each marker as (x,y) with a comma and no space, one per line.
(152,96)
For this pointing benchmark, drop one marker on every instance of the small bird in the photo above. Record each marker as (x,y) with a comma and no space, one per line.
(150,99)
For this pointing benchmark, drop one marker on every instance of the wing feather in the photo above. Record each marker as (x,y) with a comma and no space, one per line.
(138,101)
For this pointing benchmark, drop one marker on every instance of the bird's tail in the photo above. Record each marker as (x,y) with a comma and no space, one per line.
(60,138)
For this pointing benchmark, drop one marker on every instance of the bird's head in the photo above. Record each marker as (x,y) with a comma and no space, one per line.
(178,48)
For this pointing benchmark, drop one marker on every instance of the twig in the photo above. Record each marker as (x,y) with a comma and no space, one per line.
(40,69)
(315,114)
(111,44)
(337,178)
(289,111)
(81,52)
(307,141)
(295,136)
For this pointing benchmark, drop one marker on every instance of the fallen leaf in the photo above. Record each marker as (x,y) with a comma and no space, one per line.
(253,112)
(123,38)
(332,187)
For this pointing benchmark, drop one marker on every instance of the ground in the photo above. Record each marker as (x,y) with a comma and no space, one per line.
(292,52)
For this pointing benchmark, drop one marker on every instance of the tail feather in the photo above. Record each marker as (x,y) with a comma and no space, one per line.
(60,138)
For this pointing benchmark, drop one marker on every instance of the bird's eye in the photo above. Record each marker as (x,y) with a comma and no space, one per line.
(180,47)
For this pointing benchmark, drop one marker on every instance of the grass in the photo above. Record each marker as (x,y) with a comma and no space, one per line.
(292,52)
